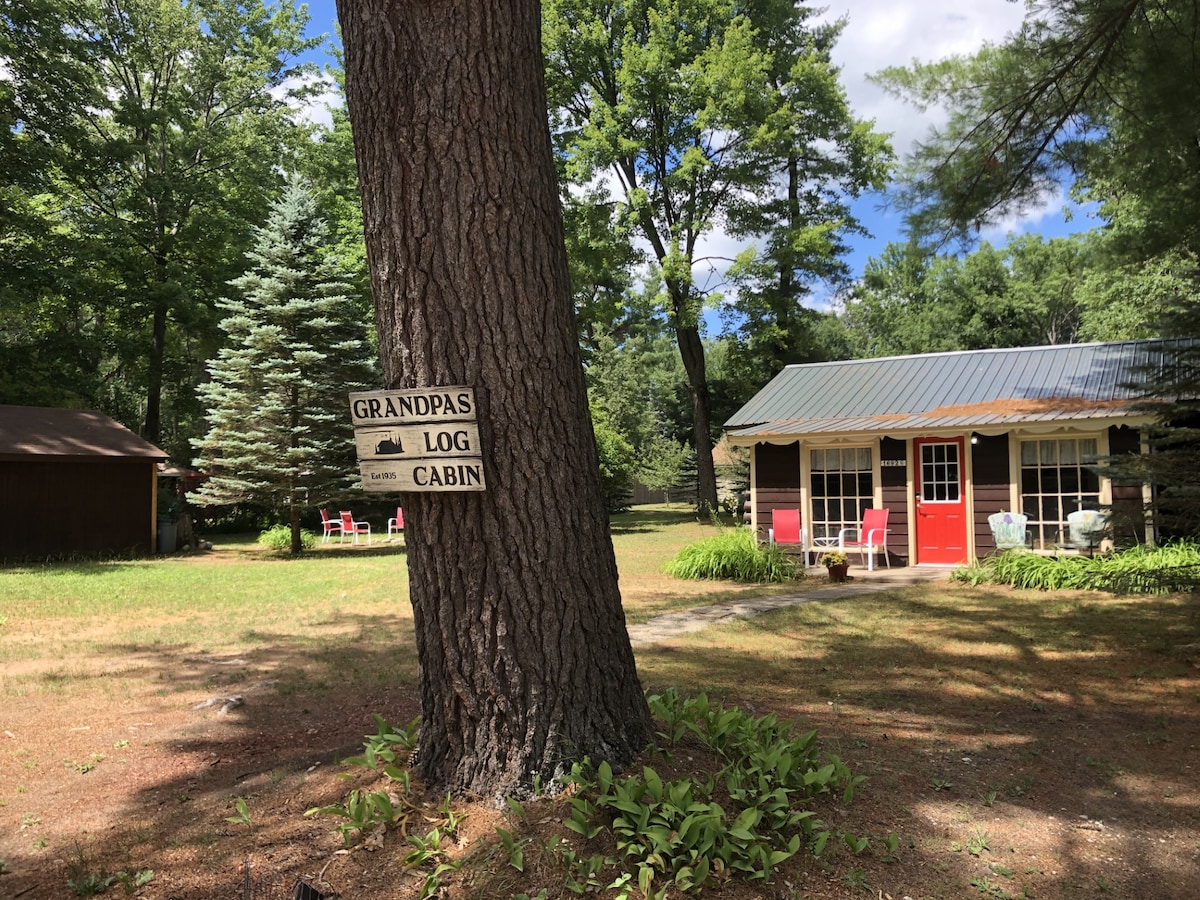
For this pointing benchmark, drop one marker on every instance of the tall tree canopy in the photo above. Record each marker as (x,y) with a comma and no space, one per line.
(1031,291)
(525,659)
(1100,94)
(279,434)
(150,132)
(711,113)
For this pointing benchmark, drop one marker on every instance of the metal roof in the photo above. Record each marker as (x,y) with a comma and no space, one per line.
(972,389)
(68,433)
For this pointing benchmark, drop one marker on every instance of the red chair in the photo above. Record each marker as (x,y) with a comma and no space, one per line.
(349,526)
(786,531)
(396,524)
(871,537)
(331,526)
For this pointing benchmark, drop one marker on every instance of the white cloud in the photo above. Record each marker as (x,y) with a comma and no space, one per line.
(882,33)
(315,108)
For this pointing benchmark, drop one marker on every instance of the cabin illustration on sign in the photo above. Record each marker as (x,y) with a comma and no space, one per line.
(944,441)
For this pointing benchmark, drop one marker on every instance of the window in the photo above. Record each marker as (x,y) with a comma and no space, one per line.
(840,488)
(939,473)
(1055,481)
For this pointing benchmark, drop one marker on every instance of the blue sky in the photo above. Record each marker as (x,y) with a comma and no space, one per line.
(878,34)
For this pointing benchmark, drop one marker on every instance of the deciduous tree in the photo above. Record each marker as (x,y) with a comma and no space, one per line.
(705,115)
(525,659)
(156,127)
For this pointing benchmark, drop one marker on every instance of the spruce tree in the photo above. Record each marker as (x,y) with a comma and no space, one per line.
(279,430)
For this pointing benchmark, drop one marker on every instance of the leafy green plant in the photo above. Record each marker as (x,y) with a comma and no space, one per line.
(279,537)
(674,835)
(1140,569)
(733,554)
(84,882)
(242,816)
(364,810)
(88,764)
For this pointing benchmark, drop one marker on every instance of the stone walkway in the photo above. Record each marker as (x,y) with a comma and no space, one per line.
(685,621)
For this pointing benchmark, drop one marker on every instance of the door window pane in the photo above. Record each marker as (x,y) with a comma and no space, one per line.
(939,473)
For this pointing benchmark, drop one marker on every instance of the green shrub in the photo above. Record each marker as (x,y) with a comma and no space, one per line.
(279,537)
(1140,569)
(733,554)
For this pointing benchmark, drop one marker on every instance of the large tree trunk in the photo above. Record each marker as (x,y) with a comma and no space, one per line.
(524,655)
(691,349)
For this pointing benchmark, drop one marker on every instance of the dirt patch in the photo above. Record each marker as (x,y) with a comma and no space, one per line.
(1060,789)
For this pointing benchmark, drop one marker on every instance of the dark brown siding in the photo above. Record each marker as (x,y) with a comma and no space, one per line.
(61,508)
(893,480)
(777,481)
(1128,515)
(990,483)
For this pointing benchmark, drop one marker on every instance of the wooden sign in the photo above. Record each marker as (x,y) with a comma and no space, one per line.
(451,474)
(414,441)
(443,404)
(425,439)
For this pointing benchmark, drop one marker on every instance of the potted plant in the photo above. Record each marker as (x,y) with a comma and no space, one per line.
(837,563)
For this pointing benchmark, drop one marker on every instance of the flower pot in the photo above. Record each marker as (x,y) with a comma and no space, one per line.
(838,572)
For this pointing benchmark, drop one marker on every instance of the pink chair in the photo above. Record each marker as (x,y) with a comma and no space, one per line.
(396,524)
(871,537)
(349,526)
(786,531)
(331,526)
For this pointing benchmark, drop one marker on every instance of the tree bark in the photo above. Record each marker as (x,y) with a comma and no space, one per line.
(525,661)
(691,349)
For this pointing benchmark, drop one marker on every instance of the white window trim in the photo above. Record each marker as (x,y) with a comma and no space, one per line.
(1014,458)
(806,448)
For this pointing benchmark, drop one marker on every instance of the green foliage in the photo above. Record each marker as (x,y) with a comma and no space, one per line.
(695,109)
(278,433)
(1141,569)
(364,811)
(735,554)
(141,139)
(672,834)
(1032,292)
(242,814)
(1101,92)
(279,537)
(617,462)
(86,882)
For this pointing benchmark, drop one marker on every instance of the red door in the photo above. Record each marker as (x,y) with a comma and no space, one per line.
(941,504)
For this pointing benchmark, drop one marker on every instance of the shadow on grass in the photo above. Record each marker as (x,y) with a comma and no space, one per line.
(1057,706)
(305,703)
(643,519)
(988,707)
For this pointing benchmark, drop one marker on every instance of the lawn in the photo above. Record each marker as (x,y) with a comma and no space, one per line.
(178,716)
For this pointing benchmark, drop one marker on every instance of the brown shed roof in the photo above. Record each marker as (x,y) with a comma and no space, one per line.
(68,433)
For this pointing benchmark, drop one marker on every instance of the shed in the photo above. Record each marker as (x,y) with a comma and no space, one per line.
(944,440)
(74,482)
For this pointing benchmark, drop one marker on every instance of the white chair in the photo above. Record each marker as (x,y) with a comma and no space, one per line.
(785,530)
(871,538)
(396,523)
(349,526)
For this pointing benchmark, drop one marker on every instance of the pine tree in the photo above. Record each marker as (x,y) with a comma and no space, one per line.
(279,429)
